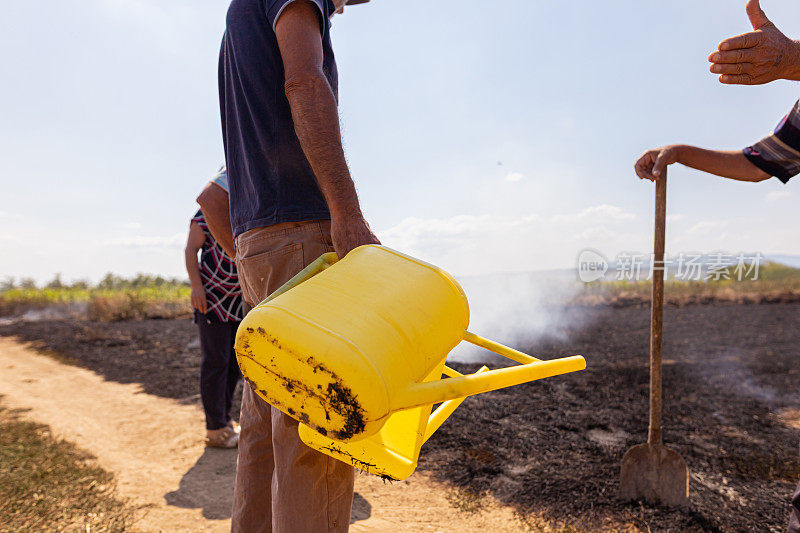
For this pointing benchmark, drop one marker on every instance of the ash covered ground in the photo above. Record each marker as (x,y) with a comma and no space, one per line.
(552,448)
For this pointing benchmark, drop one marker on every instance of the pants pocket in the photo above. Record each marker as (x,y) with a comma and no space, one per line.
(262,273)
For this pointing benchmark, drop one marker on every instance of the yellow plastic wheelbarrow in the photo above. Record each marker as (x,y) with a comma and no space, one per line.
(393,452)
(355,350)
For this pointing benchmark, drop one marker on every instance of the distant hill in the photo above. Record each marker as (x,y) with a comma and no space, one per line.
(788,260)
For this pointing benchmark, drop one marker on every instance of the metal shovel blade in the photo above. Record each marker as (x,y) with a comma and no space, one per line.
(656,475)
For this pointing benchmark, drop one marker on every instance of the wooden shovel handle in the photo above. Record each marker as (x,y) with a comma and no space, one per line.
(657,311)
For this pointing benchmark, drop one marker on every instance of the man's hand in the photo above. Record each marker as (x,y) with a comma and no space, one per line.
(198,298)
(350,231)
(731,164)
(652,163)
(761,56)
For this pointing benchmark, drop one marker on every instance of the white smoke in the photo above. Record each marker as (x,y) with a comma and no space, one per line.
(517,309)
(76,310)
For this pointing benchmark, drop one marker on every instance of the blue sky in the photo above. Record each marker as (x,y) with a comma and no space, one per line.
(482,137)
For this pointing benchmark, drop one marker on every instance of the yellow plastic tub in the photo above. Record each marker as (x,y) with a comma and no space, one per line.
(393,452)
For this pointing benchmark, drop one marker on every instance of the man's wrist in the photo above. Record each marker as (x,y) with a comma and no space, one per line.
(680,152)
(791,67)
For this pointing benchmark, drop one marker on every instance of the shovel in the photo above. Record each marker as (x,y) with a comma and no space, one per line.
(653,472)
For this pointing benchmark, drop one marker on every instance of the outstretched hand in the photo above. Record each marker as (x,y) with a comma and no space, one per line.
(761,56)
(652,164)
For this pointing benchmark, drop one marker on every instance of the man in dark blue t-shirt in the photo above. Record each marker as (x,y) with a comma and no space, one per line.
(291,200)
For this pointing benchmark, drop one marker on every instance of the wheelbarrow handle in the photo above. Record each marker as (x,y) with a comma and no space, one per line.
(320,264)
(531,369)
(444,411)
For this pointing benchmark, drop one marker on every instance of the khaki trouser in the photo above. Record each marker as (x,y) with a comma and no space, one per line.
(282,485)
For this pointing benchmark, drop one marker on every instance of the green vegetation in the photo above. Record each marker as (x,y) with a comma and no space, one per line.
(113,298)
(48,484)
(776,282)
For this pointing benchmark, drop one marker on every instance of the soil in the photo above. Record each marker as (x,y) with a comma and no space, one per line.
(551,449)
(730,410)
(171,482)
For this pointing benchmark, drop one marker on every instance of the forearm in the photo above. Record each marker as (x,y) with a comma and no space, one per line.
(220,228)
(728,164)
(215,205)
(193,268)
(316,123)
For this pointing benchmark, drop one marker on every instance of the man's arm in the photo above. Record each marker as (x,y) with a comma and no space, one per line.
(761,56)
(193,245)
(728,164)
(316,122)
(215,205)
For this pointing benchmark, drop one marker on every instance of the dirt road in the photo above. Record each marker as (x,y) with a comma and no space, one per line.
(164,469)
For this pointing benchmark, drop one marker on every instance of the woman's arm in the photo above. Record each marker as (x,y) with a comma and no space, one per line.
(215,205)
(193,245)
(728,164)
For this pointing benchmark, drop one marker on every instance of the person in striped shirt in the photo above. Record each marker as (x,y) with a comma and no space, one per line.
(758,57)
(776,155)
(761,56)
(218,309)
(214,202)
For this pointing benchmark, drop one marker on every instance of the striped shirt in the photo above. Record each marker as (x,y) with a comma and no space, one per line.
(779,154)
(220,280)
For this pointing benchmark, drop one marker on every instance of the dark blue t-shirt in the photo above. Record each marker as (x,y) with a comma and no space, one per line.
(270,179)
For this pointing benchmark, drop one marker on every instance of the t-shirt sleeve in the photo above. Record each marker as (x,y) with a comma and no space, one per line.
(779,154)
(274,9)
(221,178)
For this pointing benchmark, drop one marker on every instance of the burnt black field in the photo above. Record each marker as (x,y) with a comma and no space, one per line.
(553,447)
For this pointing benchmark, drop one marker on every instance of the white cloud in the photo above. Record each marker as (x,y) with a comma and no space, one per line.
(775,196)
(514,176)
(482,244)
(132,225)
(708,226)
(675,217)
(603,211)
